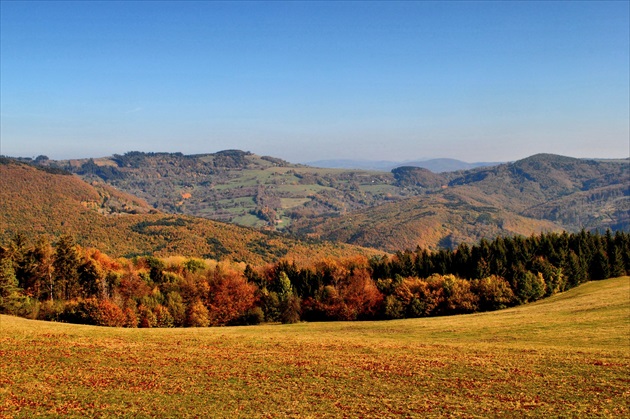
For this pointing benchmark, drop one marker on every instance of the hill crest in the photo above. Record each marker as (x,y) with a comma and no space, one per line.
(36,202)
(543,192)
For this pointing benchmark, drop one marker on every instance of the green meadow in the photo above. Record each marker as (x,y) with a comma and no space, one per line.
(566,356)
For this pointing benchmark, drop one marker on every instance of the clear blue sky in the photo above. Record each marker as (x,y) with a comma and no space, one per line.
(477,81)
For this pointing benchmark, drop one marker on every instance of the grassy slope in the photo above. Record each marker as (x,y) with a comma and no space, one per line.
(567,356)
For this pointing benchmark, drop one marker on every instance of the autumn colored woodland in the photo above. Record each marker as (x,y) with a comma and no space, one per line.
(64,282)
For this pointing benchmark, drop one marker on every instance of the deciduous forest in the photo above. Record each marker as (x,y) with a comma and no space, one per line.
(65,282)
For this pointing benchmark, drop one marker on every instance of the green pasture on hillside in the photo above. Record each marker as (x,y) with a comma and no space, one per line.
(567,356)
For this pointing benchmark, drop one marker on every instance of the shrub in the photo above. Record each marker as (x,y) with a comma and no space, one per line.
(10,295)
(230,298)
(146,318)
(393,308)
(163,317)
(459,297)
(131,317)
(177,308)
(29,308)
(291,310)
(529,287)
(197,315)
(109,314)
(51,310)
(553,276)
(361,296)
(253,316)
(424,297)
(494,293)
(270,304)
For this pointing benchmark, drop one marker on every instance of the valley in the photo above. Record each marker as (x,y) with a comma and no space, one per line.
(389,211)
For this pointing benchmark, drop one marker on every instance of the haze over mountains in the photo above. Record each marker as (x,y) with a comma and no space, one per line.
(390,211)
(434,165)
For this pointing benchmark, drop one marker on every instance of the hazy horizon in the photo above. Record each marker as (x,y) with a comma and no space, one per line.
(309,81)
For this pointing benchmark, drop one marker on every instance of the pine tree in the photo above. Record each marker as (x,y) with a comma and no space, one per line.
(66,264)
(622,243)
(461,260)
(599,268)
(498,260)
(574,271)
(616,264)
(10,295)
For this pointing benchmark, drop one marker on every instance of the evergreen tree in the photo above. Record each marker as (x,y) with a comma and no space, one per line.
(615,262)
(92,279)
(443,262)
(290,307)
(405,265)
(498,261)
(10,295)
(574,271)
(380,267)
(156,269)
(622,244)
(424,264)
(600,266)
(66,265)
(37,269)
(42,280)
(16,251)
(461,260)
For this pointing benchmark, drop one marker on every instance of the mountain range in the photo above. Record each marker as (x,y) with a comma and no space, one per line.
(388,211)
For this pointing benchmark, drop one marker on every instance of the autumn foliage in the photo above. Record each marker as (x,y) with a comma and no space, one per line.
(65,282)
(229,298)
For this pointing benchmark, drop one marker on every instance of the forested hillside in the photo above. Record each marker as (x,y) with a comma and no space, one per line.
(540,193)
(406,207)
(69,283)
(236,186)
(80,252)
(50,203)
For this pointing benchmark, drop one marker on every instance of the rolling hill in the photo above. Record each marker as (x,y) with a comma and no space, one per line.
(431,221)
(407,207)
(540,193)
(38,201)
(237,187)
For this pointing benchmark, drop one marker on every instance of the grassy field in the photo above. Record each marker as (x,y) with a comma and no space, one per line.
(568,356)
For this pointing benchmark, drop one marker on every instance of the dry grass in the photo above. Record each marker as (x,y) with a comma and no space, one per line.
(568,356)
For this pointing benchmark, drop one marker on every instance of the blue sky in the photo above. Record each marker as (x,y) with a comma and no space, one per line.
(476,81)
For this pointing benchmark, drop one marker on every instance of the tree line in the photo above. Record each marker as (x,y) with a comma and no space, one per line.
(65,282)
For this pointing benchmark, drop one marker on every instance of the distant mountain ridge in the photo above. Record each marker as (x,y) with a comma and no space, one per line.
(435,165)
(406,207)
(543,192)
